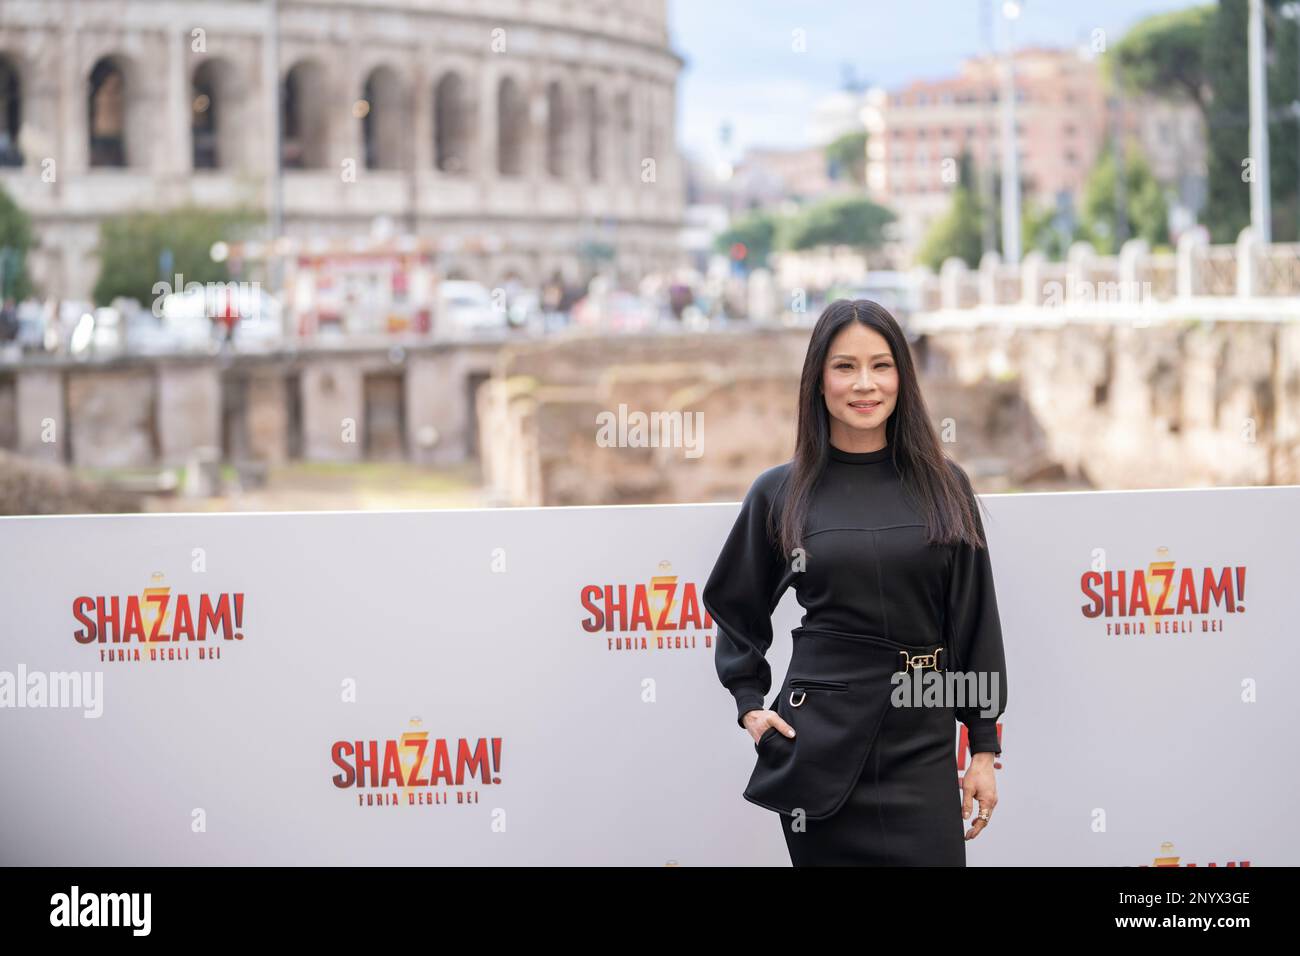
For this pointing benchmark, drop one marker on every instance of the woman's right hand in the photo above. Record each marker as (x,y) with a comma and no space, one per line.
(757,722)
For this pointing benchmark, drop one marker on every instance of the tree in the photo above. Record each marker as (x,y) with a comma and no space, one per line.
(959,233)
(134,246)
(1146,209)
(1048,230)
(852,222)
(15,240)
(1200,55)
(1165,54)
(849,152)
(1227,204)
(749,240)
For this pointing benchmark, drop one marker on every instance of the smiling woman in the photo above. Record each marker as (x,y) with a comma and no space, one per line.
(879,534)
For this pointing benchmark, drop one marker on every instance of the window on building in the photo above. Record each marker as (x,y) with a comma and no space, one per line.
(304,117)
(383,119)
(451,125)
(107,114)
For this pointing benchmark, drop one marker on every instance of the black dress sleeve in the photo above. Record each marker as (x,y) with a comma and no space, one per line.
(976,630)
(741,593)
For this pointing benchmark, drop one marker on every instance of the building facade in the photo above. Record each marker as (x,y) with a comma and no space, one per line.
(1064,117)
(541,132)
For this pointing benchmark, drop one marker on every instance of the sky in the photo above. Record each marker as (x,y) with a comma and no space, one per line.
(741,66)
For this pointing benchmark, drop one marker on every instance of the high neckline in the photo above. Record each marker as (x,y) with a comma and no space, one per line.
(860,457)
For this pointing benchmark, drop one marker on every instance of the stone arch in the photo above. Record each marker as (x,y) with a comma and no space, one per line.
(650,129)
(512,127)
(452,125)
(11,111)
(304,118)
(594,124)
(625,151)
(384,120)
(109,93)
(214,126)
(559,129)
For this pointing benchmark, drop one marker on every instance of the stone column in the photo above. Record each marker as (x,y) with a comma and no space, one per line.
(74,120)
(486,159)
(174,155)
(1188,245)
(1246,264)
(988,277)
(42,415)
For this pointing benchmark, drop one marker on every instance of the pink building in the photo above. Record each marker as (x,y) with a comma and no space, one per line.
(918,132)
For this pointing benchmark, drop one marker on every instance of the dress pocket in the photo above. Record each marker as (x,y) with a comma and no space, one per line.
(801,687)
(835,722)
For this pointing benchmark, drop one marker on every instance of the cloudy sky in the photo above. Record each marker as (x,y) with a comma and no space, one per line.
(741,66)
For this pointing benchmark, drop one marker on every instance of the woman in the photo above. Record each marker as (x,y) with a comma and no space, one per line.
(880,535)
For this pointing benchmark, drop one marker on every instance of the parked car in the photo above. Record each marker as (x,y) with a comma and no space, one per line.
(615,311)
(525,310)
(30,334)
(98,332)
(466,307)
(896,291)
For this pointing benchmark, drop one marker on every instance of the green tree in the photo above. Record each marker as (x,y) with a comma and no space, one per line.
(1045,229)
(1164,54)
(756,233)
(15,240)
(1200,55)
(849,152)
(852,222)
(1145,206)
(1227,203)
(959,233)
(131,248)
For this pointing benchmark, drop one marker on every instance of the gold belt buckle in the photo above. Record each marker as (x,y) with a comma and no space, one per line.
(921,661)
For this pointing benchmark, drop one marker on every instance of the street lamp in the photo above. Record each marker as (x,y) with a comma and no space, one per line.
(1260,211)
(1291,11)
(1010,150)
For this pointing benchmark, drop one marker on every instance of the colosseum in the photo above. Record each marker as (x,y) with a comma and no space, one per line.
(536,137)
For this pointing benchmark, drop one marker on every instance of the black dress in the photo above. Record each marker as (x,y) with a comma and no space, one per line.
(861,782)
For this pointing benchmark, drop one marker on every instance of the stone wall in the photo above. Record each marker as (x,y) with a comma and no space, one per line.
(1076,407)
(1102,405)
(321,405)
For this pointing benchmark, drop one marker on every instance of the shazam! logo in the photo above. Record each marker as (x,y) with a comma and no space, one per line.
(1162,598)
(408,770)
(1168,857)
(661,614)
(157,625)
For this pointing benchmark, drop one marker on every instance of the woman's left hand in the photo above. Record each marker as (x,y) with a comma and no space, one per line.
(978,784)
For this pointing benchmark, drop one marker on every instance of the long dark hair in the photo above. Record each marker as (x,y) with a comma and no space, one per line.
(913,442)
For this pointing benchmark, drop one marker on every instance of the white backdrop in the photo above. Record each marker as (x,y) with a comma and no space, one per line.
(354,624)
